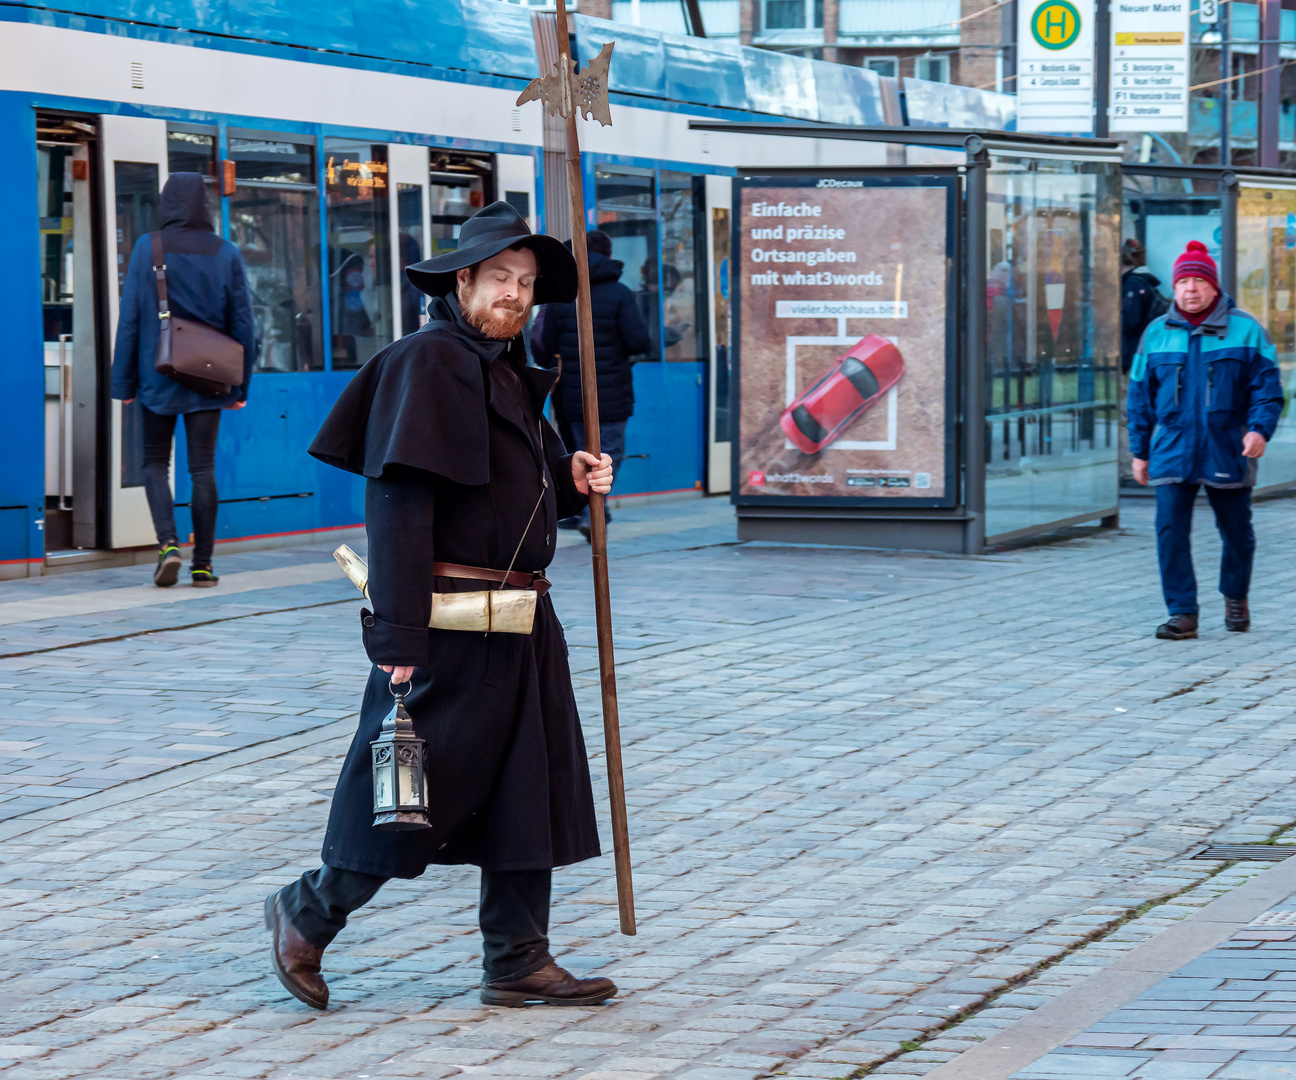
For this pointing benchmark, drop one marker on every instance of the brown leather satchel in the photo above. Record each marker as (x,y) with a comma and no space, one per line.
(192,353)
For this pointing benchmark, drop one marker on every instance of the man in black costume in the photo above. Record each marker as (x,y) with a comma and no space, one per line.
(463,472)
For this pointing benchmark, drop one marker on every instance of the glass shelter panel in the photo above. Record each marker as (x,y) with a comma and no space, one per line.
(626,209)
(274,222)
(1053,342)
(359,252)
(1266,277)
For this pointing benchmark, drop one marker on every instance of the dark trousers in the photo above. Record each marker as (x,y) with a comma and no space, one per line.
(611,442)
(201,429)
(1174,508)
(513,913)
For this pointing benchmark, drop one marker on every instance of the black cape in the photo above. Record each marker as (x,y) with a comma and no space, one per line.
(447,426)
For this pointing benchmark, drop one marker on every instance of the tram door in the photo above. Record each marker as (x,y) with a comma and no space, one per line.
(134,163)
(719,199)
(68,312)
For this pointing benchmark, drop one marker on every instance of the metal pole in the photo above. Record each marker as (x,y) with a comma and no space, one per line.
(1270,83)
(1102,67)
(598,527)
(1226,92)
(1228,189)
(974,345)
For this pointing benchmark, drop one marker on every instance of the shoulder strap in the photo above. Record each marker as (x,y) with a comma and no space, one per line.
(159,272)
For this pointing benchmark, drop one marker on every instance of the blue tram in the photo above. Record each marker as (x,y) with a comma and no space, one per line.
(341,143)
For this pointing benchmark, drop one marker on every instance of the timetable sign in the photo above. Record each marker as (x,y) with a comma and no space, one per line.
(1149,65)
(1055,70)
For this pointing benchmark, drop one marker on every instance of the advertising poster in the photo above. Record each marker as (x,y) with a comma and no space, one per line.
(844,339)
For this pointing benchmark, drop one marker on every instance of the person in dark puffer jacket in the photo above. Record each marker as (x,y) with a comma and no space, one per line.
(619,333)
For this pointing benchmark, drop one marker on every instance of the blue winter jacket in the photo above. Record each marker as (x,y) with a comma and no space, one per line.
(206,281)
(1194,391)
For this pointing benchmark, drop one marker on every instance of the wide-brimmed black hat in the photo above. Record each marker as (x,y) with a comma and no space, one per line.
(488,232)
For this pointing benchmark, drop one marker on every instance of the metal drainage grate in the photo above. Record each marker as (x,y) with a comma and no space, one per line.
(1247,852)
(1276,918)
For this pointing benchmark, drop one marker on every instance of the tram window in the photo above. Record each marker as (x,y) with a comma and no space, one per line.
(359,250)
(626,207)
(454,200)
(194,151)
(409,224)
(274,222)
(136,184)
(682,205)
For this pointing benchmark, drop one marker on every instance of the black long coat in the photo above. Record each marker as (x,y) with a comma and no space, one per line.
(447,426)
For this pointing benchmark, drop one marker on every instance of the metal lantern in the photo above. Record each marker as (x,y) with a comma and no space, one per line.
(399,778)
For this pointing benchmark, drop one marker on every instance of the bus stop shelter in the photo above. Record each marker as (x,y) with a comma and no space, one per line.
(926,355)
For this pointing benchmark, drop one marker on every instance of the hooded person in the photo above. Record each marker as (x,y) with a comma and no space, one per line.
(619,334)
(206,282)
(465,483)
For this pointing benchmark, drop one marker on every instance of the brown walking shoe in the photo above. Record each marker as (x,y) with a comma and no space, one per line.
(551,985)
(1237,615)
(296,961)
(1177,628)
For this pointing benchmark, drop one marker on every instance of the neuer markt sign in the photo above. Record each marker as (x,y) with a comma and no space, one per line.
(1149,65)
(1055,74)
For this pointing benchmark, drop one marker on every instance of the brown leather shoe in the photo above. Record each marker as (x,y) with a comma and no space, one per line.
(1177,628)
(296,961)
(551,985)
(1237,615)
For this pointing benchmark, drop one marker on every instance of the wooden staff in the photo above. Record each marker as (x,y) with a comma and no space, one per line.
(564,92)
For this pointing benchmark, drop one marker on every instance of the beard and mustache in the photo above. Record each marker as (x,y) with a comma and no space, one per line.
(502,320)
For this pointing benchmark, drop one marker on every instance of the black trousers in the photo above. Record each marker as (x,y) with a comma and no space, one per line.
(201,429)
(513,913)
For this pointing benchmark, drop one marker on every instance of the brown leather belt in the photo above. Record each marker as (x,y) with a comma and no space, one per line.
(522,579)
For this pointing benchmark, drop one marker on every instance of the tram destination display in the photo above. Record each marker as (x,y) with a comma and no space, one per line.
(845,340)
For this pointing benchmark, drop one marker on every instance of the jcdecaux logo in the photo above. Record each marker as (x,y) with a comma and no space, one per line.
(1055,24)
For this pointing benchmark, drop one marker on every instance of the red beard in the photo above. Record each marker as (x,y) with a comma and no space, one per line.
(502,322)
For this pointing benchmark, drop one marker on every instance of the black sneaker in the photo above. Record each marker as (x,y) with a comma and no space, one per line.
(168,566)
(203,578)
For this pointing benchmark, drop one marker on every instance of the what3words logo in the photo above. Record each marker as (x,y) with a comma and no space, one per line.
(1055,24)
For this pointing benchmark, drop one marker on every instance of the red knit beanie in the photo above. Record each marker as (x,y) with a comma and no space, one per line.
(1196,262)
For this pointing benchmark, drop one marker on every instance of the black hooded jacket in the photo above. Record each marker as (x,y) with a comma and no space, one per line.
(619,333)
(206,281)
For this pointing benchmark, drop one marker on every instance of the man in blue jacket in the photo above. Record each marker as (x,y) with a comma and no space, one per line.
(206,282)
(1204,399)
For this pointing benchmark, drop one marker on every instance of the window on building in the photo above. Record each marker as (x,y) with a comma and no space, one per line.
(931,68)
(886,66)
(274,222)
(792,14)
(359,249)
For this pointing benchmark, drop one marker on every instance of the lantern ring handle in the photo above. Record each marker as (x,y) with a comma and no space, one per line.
(391,686)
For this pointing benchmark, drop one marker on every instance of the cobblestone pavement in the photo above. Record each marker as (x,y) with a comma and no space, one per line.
(1230,1015)
(869,793)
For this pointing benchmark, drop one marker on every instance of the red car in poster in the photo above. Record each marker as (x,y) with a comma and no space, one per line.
(853,384)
